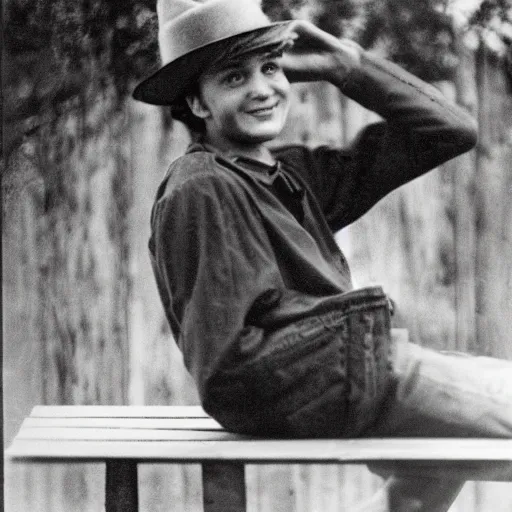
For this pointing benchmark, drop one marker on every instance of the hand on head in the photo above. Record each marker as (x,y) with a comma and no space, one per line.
(317,55)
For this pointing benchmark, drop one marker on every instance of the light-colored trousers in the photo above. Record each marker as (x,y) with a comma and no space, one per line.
(449,395)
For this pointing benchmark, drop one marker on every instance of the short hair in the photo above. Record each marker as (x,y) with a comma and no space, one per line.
(181,111)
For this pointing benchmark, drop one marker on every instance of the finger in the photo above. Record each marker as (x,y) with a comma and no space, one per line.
(307,33)
(350,43)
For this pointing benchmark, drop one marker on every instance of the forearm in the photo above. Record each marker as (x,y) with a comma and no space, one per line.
(417,107)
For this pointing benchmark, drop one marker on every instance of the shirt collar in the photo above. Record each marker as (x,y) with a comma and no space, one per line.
(260,171)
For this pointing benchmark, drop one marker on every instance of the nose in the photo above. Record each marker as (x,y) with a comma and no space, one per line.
(260,86)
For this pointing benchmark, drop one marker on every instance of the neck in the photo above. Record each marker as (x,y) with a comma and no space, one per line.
(255,151)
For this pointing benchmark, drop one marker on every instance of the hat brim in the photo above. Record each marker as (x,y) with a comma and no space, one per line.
(172,81)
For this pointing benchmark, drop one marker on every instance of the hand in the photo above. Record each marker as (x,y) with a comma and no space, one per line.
(317,55)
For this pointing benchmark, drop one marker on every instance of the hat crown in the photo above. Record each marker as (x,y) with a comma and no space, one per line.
(185,25)
(170,9)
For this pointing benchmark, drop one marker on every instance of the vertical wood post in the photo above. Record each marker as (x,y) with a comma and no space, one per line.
(121,490)
(464,210)
(224,487)
(494,209)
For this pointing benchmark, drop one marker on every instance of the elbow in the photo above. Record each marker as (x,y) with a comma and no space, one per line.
(469,133)
(465,132)
(457,137)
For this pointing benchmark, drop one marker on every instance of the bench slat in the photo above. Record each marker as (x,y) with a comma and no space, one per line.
(459,449)
(192,452)
(119,411)
(151,423)
(270,451)
(124,434)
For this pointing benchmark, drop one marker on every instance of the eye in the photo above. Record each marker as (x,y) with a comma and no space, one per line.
(234,78)
(270,68)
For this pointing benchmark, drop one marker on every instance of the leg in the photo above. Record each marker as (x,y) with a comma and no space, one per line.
(443,395)
(121,492)
(413,495)
(224,487)
(447,395)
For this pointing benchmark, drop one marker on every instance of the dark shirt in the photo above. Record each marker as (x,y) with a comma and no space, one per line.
(241,252)
(286,189)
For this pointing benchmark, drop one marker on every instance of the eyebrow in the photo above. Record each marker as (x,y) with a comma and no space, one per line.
(230,64)
(238,62)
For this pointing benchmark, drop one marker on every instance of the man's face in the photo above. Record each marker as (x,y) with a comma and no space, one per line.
(243,103)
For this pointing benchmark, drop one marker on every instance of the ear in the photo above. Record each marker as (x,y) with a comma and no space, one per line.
(197,106)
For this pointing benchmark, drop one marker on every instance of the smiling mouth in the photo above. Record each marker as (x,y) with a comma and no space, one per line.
(264,111)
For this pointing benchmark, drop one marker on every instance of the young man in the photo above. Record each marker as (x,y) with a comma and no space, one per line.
(253,284)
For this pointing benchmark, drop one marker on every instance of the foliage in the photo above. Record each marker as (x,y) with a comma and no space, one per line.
(333,16)
(493,19)
(485,26)
(60,54)
(282,9)
(490,25)
(337,17)
(417,35)
(420,36)
(120,33)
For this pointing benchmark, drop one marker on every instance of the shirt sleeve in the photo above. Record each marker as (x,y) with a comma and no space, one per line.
(420,131)
(214,257)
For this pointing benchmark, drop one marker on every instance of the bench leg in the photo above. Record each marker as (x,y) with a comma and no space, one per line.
(224,487)
(121,490)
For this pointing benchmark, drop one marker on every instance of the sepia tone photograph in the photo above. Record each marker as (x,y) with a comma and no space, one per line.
(257,255)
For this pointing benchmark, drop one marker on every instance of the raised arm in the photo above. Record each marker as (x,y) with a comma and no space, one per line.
(421,129)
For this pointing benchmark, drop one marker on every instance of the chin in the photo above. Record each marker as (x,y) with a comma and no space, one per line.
(264,134)
(264,137)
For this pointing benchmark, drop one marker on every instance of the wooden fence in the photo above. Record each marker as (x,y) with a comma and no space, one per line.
(83,323)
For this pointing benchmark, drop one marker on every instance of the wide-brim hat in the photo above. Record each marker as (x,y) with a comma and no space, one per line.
(187,35)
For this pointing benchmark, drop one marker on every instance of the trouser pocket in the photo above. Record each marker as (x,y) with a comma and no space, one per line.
(330,376)
(323,376)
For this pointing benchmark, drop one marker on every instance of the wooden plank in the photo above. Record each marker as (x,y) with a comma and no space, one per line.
(270,451)
(224,487)
(124,434)
(201,452)
(119,411)
(493,207)
(464,184)
(142,423)
(462,449)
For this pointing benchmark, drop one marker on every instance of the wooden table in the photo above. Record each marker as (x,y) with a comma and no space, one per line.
(123,436)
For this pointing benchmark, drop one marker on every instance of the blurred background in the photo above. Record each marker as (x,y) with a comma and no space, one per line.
(82,323)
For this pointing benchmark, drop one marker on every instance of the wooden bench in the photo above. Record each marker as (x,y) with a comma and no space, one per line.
(122,436)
